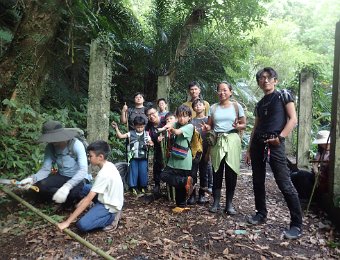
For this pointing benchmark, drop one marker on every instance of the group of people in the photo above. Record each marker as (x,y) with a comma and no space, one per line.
(170,135)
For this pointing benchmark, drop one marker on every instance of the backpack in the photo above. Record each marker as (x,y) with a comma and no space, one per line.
(196,145)
(285,96)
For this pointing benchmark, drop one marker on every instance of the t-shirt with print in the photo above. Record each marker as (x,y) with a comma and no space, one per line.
(224,117)
(271,112)
(183,140)
(109,187)
(133,112)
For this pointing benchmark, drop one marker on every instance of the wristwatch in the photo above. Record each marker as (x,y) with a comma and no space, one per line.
(281,138)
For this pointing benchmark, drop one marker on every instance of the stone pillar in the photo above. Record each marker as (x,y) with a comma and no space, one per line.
(304,119)
(163,88)
(100,77)
(335,124)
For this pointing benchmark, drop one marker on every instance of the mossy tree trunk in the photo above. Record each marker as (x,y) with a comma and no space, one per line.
(25,65)
(98,111)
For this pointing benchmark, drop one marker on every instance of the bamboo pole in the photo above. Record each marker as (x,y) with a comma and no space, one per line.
(66,230)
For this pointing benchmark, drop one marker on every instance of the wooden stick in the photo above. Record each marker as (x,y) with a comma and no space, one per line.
(66,230)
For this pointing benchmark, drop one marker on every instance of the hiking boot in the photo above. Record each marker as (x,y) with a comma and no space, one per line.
(134,192)
(201,197)
(216,205)
(192,199)
(189,187)
(143,190)
(156,189)
(293,233)
(230,210)
(257,219)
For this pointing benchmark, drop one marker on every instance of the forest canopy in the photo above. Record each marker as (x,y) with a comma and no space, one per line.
(45,53)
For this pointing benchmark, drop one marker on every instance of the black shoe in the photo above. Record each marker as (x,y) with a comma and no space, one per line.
(202,200)
(257,219)
(230,210)
(191,200)
(156,189)
(293,233)
(216,205)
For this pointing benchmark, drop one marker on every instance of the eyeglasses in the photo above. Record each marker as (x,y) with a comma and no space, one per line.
(263,78)
(152,113)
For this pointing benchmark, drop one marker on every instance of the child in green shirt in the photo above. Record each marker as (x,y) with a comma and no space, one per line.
(178,170)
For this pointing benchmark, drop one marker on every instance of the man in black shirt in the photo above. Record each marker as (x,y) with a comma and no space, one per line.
(275,118)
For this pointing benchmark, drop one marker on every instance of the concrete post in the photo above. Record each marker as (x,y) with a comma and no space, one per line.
(100,77)
(304,119)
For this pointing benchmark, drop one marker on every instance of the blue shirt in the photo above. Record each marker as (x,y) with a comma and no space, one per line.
(76,168)
(224,117)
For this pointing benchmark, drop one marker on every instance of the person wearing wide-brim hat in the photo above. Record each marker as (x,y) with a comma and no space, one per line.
(65,165)
(320,164)
(304,180)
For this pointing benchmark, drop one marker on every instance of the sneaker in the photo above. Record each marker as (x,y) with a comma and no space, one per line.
(134,192)
(293,233)
(256,219)
(143,190)
(189,187)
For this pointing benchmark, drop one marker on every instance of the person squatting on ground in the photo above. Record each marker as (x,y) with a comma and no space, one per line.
(304,180)
(138,143)
(107,193)
(64,169)
(274,120)
(194,90)
(226,122)
(177,173)
(154,123)
(203,166)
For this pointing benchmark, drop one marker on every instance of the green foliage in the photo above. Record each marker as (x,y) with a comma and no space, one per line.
(20,156)
(118,148)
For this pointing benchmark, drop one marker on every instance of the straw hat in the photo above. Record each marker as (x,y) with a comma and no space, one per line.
(53,132)
(322,137)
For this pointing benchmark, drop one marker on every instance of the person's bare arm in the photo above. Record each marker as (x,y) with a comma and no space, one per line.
(248,159)
(118,133)
(80,209)
(123,115)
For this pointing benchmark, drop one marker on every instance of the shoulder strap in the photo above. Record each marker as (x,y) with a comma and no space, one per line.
(213,110)
(236,109)
(70,147)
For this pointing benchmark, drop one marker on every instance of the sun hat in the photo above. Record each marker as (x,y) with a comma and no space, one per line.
(322,137)
(53,132)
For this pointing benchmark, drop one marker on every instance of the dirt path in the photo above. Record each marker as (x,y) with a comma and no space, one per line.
(154,232)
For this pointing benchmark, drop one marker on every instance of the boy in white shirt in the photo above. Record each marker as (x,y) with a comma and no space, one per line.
(107,192)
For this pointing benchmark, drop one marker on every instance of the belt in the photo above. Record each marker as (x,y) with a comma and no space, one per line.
(229,132)
(265,136)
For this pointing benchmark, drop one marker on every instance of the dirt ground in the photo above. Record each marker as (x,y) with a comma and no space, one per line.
(152,231)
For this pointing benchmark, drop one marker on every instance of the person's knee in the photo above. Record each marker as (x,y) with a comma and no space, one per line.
(83,226)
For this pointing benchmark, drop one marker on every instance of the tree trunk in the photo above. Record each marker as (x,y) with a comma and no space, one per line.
(98,110)
(190,24)
(24,66)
